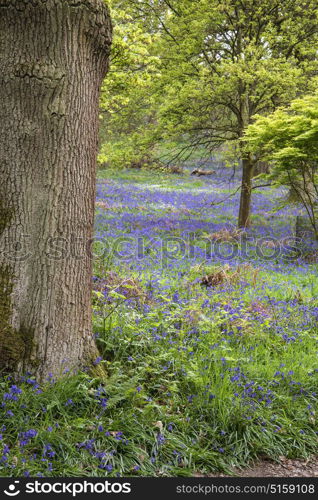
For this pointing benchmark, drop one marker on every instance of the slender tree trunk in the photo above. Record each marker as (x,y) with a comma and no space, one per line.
(246,192)
(53,57)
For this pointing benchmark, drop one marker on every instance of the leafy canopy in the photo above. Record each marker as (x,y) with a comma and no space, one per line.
(288,138)
(193,75)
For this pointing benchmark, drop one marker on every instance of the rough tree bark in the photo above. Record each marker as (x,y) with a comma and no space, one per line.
(53,57)
(246,192)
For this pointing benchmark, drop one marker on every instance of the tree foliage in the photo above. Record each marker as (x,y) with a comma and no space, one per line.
(288,138)
(127,103)
(189,76)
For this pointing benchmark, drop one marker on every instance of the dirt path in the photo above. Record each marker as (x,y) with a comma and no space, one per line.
(285,468)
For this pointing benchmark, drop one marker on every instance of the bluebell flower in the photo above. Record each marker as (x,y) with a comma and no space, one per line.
(98,360)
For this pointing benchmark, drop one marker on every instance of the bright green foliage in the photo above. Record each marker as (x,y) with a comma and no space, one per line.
(289,139)
(198,72)
(125,95)
(232,60)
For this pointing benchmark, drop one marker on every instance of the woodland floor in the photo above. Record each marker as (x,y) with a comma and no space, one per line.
(284,468)
(211,351)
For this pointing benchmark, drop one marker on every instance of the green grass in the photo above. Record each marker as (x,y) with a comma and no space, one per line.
(198,379)
(176,399)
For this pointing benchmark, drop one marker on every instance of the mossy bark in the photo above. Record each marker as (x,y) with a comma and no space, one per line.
(53,57)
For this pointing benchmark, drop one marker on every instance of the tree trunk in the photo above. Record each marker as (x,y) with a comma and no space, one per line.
(53,57)
(246,192)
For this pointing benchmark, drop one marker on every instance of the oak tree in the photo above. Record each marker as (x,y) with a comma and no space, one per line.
(53,57)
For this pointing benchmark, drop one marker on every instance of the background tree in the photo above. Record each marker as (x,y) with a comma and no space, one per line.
(222,63)
(53,57)
(289,140)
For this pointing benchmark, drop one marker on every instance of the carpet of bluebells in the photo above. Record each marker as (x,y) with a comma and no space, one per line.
(208,337)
